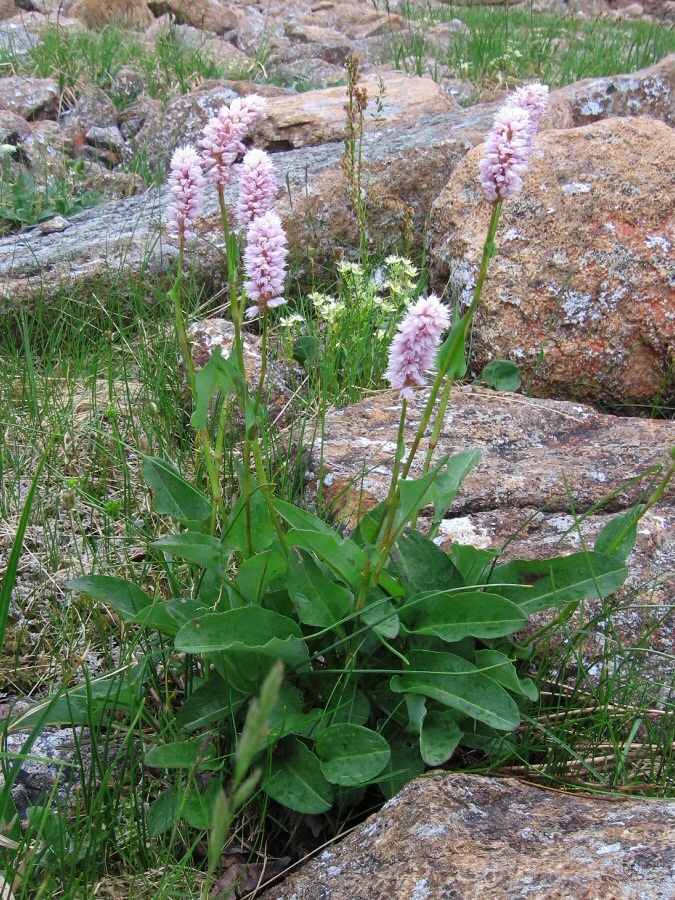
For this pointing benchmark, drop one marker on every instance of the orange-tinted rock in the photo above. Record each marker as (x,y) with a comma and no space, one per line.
(580,293)
(97,14)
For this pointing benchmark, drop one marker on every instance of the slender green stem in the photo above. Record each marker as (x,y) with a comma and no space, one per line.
(267,494)
(235,307)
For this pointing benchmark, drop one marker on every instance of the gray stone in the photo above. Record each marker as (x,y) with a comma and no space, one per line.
(108,138)
(31,98)
(463,836)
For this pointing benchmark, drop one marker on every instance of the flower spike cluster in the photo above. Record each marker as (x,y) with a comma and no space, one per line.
(413,349)
(509,144)
(221,143)
(186,183)
(265,263)
(258,187)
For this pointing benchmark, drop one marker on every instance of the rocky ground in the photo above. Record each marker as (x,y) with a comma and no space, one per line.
(580,296)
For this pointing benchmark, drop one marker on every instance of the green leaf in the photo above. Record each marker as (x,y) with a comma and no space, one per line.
(212,702)
(448,482)
(439,737)
(257,573)
(162,813)
(288,715)
(473,564)
(451,356)
(127,599)
(296,780)
(197,808)
(501,375)
(351,754)
(306,349)
(343,556)
(500,668)
(617,537)
(318,600)
(201,549)
(415,493)
(424,566)
(347,704)
(183,755)
(541,583)
(380,614)
(172,495)
(300,519)
(219,375)
(453,616)
(248,628)
(404,765)
(456,683)
(262,528)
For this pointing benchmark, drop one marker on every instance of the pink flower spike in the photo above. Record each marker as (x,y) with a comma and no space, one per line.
(533,98)
(507,150)
(413,349)
(221,145)
(186,183)
(265,263)
(246,112)
(258,187)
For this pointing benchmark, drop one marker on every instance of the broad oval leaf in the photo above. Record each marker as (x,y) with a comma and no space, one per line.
(318,600)
(617,537)
(454,616)
(540,583)
(127,599)
(201,549)
(502,375)
(296,781)
(351,754)
(182,755)
(248,628)
(439,737)
(172,495)
(342,555)
(212,702)
(500,668)
(456,683)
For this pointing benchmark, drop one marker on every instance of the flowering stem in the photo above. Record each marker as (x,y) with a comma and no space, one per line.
(232,281)
(202,436)
(389,510)
(458,344)
(264,486)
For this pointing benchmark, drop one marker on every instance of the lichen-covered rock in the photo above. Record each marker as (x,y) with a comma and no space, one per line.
(30,98)
(470,837)
(209,15)
(649,92)
(580,294)
(97,14)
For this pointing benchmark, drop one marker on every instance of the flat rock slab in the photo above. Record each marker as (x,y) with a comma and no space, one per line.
(529,448)
(463,836)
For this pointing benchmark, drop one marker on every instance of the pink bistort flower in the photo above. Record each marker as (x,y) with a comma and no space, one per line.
(258,187)
(507,151)
(186,182)
(265,263)
(413,349)
(223,134)
(533,98)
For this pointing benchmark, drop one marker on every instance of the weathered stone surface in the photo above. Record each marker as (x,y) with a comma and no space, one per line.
(537,457)
(586,264)
(47,149)
(108,138)
(528,448)
(97,14)
(317,117)
(31,98)
(650,92)
(13,128)
(93,109)
(209,15)
(472,837)
(407,163)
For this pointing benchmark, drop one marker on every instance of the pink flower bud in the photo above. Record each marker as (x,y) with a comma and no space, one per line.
(413,349)
(186,182)
(265,263)
(223,135)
